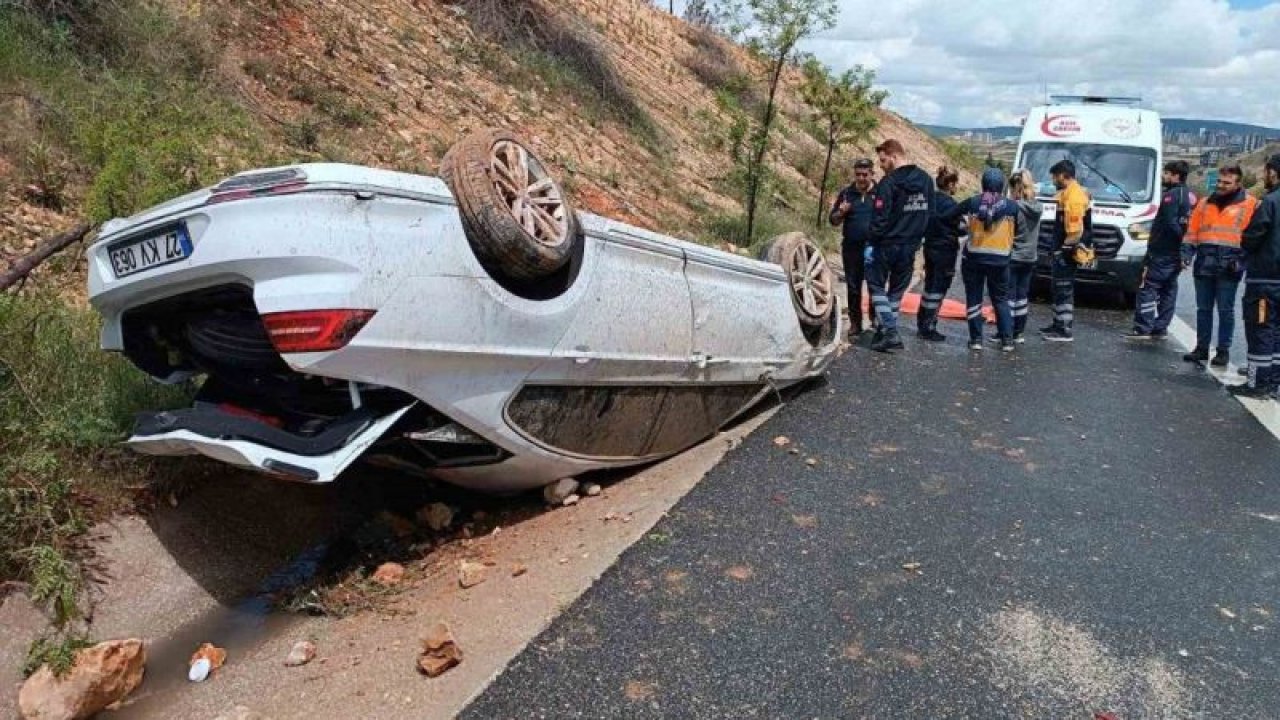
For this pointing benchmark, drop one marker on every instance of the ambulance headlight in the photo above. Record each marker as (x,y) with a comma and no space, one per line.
(1140,232)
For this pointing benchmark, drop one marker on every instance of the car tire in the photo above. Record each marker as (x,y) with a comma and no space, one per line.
(517,218)
(810,279)
(232,339)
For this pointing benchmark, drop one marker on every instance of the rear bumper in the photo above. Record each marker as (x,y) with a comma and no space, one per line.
(1123,273)
(244,442)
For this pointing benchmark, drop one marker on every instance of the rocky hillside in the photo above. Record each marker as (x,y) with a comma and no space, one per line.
(641,134)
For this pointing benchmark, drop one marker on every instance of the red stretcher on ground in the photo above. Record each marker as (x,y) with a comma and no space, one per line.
(951,309)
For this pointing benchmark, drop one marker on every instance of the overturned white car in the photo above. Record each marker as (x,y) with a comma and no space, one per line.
(474,328)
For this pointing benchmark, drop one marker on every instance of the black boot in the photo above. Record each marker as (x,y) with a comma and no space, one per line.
(1199,355)
(1253,391)
(1221,358)
(887,342)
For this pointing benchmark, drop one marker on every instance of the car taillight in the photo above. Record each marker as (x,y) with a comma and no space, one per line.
(259,184)
(314,330)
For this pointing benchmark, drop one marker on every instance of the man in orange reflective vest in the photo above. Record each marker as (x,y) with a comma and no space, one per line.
(1213,244)
(1072,232)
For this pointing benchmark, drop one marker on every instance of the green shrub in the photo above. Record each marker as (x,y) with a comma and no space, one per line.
(63,404)
(58,651)
(125,89)
(342,111)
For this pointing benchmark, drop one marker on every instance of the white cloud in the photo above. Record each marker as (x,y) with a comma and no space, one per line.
(984,63)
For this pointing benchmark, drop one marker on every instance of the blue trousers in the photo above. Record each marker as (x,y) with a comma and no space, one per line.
(939,272)
(1020,274)
(1064,292)
(994,279)
(1216,290)
(888,276)
(1261,309)
(1158,294)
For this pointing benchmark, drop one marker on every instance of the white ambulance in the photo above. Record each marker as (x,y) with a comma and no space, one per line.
(1117,148)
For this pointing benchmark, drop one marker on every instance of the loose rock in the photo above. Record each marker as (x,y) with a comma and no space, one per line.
(591,490)
(556,492)
(102,675)
(303,652)
(440,651)
(517,570)
(571,500)
(436,516)
(388,574)
(782,441)
(471,573)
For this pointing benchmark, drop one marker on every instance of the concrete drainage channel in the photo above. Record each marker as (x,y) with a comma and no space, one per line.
(170,578)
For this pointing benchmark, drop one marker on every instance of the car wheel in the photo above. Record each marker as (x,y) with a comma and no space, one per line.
(232,339)
(809,276)
(517,218)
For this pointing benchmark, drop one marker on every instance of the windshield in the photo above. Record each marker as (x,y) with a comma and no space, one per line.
(1111,173)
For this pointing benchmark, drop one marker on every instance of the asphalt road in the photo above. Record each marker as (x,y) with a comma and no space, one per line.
(1095,526)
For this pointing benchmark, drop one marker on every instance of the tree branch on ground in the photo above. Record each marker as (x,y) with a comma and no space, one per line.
(25,264)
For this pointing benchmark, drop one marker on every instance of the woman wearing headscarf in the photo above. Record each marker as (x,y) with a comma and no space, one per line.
(984,266)
(1026,241)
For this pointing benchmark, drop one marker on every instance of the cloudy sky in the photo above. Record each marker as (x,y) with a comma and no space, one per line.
(978,62)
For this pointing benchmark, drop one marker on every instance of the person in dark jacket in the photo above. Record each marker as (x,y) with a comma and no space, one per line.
(985,267)
(900,216)
(941,248)
(1261,306)
(1163,262)
(852,211)
(1213,244)
(1026,248)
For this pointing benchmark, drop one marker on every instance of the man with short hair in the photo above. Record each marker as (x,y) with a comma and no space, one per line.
(1261,307)
(900,215)
(1213,244)
(1163,262)
(852,211)
(1072,244)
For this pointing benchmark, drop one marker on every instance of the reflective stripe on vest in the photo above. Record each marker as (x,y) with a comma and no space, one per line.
(1223,226)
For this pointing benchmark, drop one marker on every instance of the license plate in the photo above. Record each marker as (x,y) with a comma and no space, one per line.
(151,251)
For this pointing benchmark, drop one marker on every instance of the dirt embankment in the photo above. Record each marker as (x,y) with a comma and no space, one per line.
(394,83)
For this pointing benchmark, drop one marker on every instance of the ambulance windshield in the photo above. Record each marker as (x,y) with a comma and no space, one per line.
(1111,173)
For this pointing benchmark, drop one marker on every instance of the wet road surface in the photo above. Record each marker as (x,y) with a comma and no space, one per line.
(1066,530)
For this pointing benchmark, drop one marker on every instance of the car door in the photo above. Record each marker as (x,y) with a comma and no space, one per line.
(608,389)
(744,325)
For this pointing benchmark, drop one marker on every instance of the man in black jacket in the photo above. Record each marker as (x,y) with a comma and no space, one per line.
(1163,262)
(899,218)
(852,210)
(1261,306)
